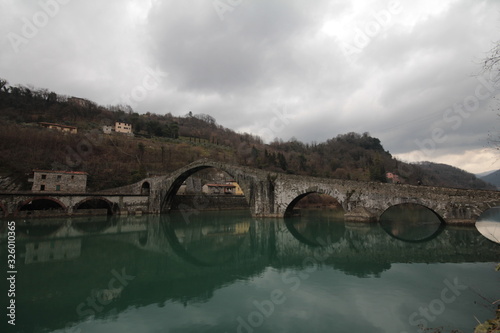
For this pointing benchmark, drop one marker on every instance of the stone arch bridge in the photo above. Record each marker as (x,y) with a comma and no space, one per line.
(20,204)
(268,194)
(272,194)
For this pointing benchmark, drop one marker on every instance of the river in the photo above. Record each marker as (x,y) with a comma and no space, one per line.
(228,272)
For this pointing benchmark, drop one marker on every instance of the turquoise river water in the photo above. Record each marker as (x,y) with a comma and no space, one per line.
(228,272)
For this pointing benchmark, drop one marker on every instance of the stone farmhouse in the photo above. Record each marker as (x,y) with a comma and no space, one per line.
(59,181)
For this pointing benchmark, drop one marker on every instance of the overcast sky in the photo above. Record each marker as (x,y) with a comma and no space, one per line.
(404,71)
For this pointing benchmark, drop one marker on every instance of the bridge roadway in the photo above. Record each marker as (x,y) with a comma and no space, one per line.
(272,194)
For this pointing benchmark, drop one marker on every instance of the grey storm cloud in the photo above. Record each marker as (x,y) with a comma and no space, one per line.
(253,48)
(309,70)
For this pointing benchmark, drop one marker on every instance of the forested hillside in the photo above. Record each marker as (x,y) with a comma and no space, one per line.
(163,143)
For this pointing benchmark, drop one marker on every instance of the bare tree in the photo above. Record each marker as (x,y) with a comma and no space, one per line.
(491,66)
(491,63)
(4,84)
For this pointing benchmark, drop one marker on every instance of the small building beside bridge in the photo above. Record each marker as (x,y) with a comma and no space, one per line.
(230,187)
(215,189)
(393,178)
(237,188)
(59,181)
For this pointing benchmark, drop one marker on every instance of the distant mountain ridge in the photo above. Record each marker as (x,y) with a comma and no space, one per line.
(484,174)
(438,174)
(492,178)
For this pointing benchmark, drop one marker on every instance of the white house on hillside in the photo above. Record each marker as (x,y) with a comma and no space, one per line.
(123,127)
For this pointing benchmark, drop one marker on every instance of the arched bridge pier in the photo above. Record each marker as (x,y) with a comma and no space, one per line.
(45,204)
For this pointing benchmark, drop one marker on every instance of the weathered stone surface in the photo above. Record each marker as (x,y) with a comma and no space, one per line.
(360,214)
(271,194)
(11,203)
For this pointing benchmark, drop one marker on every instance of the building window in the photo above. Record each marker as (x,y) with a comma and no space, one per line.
(44,176)
(42,187)
(58,187)
(58,177)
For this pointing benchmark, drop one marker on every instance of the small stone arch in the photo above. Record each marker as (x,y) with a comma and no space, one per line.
(40,204)
(289,210)
(439,211)
(145,188)
(423,229)
(96,204)
(432,209)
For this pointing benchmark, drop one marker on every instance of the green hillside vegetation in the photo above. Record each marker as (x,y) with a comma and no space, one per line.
(163,143)
(446,175)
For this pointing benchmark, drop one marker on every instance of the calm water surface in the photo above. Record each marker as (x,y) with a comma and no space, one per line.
(228,272)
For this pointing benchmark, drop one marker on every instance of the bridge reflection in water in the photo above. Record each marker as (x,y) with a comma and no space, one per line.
(488,224)
(212,272)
